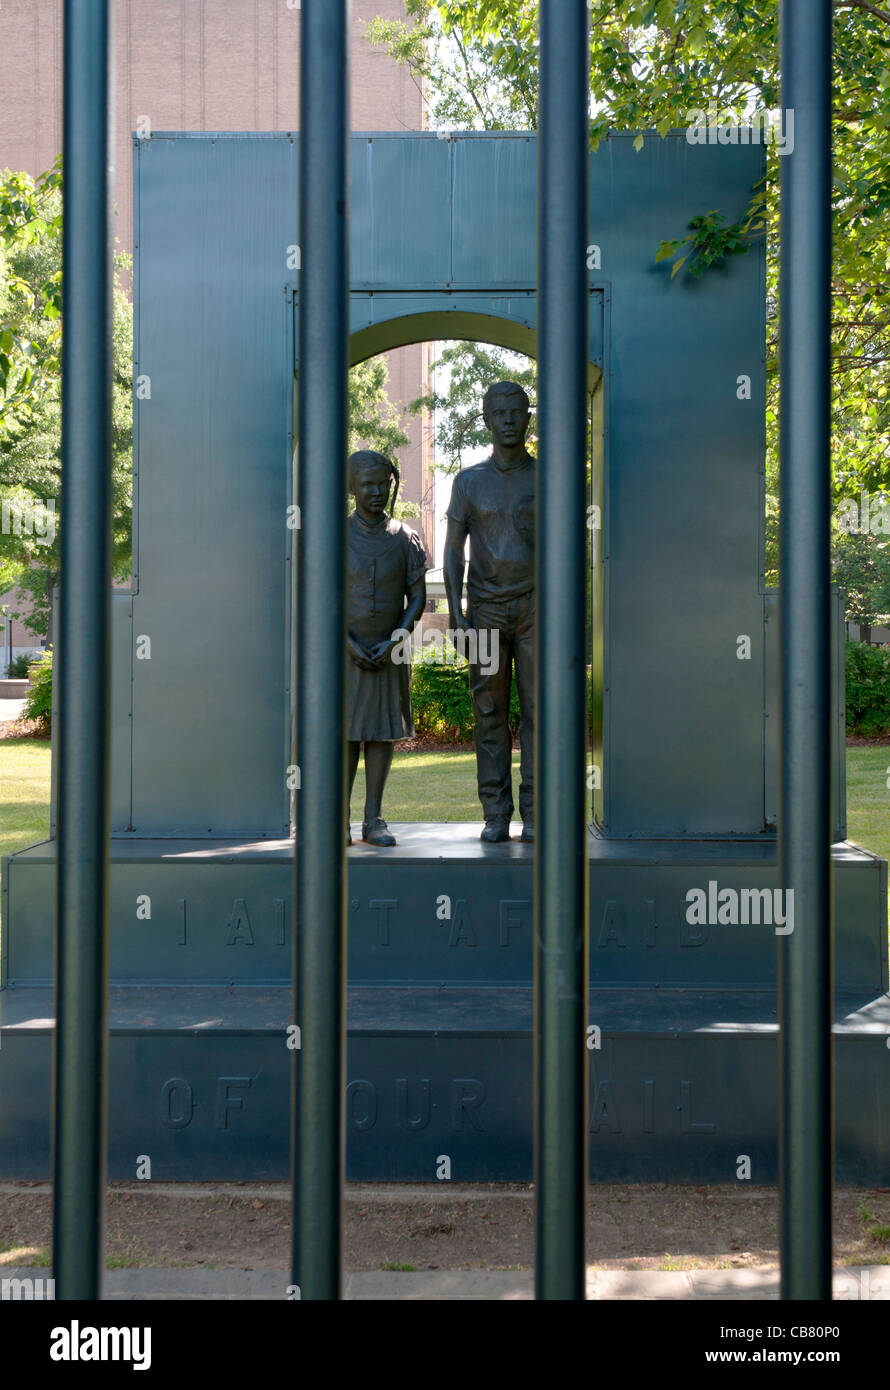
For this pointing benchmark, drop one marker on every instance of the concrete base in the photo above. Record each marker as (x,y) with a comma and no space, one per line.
(683,1065)
(682,1087)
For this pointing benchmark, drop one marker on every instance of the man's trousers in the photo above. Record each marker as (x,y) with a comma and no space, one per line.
(511,624)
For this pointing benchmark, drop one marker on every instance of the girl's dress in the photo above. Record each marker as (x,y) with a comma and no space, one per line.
(384,561)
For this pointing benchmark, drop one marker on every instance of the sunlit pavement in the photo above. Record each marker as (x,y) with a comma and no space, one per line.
(860,1283)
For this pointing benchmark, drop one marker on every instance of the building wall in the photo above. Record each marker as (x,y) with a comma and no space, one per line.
(208,65)
(15,637)
(186,65)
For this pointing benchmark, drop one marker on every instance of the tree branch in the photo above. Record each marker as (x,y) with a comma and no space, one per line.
(863,5)
(470,89)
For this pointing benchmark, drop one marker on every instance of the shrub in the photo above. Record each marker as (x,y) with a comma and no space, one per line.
(39,699)
(441,700)
(868,689)
(18,667)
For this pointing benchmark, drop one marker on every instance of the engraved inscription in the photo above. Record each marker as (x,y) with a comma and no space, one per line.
(512,914)
(416,1100)
(384,908)
(604,1110)
(462,933)
(238,929)
(177,1103)
(226,1100)
(612,926)
(613,1101)
(467,1095)
(361,1104)
(693,935)
(687,1124)
(279,906)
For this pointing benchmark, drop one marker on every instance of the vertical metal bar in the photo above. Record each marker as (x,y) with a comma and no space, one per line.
(560,722)
(320,863)
(84,646)
(805,955)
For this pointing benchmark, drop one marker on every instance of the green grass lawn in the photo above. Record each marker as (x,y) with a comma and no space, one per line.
(438,785)
(868,798)
(24,792)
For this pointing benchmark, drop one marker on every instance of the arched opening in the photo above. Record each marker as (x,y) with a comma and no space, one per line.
(516,334)
(438,783)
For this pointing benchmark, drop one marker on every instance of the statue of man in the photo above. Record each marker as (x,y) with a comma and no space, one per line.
(494,504)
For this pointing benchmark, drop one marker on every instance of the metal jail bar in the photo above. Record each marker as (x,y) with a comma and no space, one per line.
(805,956)
(320,858)
(560,878)
(84,661)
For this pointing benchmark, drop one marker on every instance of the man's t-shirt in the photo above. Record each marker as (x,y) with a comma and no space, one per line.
(497,505)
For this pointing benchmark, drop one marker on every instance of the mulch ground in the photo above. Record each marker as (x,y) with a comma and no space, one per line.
(248,1227)
(23,728)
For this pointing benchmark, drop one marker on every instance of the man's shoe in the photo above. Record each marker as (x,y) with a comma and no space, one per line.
(376,833)
(528,832)
(495,830)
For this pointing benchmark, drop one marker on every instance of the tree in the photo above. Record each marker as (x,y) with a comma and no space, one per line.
(30,396)
(472,368)
(652,64)
(30,214)
(861,565)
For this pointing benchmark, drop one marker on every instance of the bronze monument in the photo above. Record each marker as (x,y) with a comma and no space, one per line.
(494,504)
(387,591)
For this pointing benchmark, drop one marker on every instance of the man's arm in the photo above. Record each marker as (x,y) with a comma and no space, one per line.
(453,571)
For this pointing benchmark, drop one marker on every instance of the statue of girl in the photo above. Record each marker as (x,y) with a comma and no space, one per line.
(387,592)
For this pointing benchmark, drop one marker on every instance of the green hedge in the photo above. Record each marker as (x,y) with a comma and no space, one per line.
(868,689)
(18,667)
(440,696)
(39,699)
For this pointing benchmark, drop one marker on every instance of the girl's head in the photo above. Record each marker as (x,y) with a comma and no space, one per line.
(370,479)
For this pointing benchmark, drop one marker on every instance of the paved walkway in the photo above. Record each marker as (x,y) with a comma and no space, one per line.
(10,709)
(426,1286)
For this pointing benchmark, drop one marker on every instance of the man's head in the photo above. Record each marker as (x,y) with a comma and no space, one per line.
(370,479)
(505,410)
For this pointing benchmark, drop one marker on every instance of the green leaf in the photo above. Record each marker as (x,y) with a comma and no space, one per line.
(697,40)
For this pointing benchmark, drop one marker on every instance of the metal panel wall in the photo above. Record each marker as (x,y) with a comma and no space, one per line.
(683,505)
(215,219)
(682,461)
